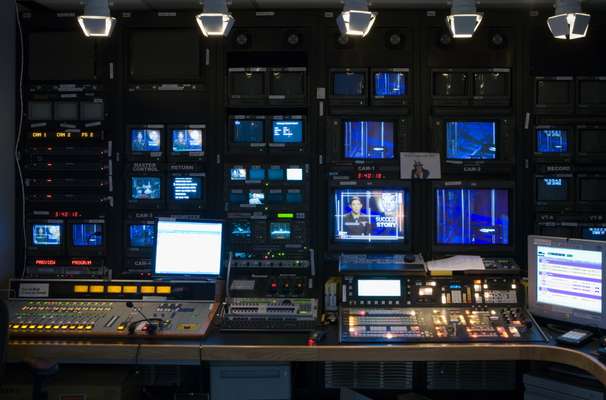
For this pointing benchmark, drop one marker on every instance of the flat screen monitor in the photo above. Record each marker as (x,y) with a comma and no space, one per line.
(471,140)
(256,197)
(141,235)
(287,131)
(187,141)
(276,174)
(390,84)
(66,111)
(248,130)
(594,233)
(188,247)
(566,279)
(551,189)
(186,188)
(476,217)
(552,141)
(40,111)
(145,140)
(348,84)
(592,92)
(146,188)
(294,174)
(371,215)
(87,235)
(374,140)
(47,234)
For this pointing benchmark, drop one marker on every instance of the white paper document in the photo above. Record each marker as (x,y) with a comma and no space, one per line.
(456,263)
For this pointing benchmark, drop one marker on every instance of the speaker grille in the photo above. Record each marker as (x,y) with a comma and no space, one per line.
(471,375)
(368,375)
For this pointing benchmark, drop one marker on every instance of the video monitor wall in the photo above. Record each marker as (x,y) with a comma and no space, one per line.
(368,140)
(253,134)
(475,140)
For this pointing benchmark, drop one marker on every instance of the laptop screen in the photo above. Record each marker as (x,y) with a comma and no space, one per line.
(188,248)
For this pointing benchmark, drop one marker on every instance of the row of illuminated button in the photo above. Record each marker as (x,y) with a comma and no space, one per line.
(64,309)
(376,302)
(51,327)
(118,289)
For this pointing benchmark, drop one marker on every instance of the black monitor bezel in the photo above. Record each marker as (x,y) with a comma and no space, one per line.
(145,156)
(191,204)
(554,205)
(588,204)
(249,99)
(551,157)
(141,203)
(450,100)
(133,251)
(360,100)
(588,108)
(76,251)
(186,156)
(549,108)
(402,100)
(588,158)
(282,99)
(475,249)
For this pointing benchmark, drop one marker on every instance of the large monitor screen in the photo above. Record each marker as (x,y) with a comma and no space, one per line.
(186,188)
(348,84)
(570,278)
(141,235)
(145,188)
(368,139)
(46,234)
(471,140)
(472,216)
(248,130)
(390,84)
(188,248)
(287,131)
(145,140)
(87,235)
(370,215)
(187,140)
(552,141)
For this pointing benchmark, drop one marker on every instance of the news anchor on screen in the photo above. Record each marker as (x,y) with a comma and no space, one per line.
(354,223)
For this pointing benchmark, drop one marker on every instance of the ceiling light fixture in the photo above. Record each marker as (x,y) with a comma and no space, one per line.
(215,20)
(463,20)
(96,20)
(356,20)
(569,22)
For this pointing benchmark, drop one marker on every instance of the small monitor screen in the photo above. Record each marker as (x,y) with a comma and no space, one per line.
(450,84)
(491,84)
(145,188)
(237,174)
(376,215)
(287,131)
(570,278)
(592,189)
(275,174)
(241,230)
(472,216)
(348,84)
(390,84)
(594,233)
(552,141)
(87,235)
(592,93)
(248,130)
(188,248)
(279,230)
(294,197)
(186,187)
(247,84)
(187,140)
(46,234)
(368,140)
(379,288)
(237,197)
(256,198)
(145,140)
(592,141)
(552,92)
(141,235)
(287,83)
(552,189)
(471,140)
(256,174)
(294,174)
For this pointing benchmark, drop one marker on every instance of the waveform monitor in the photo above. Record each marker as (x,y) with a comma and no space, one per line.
(188,247)
(368,140)
(467,140)
(566,279)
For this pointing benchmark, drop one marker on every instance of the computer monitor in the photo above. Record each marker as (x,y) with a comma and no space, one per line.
(566,278)
(364,140)
(591,143)
(188,247)
(471,140)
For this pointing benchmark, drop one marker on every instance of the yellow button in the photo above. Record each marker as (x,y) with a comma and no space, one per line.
(121,327)
(130,289)
(97,289)
(80,288)
(148,289)
(40,327)
(88,327)
(163,290)
(55,326)
(72,327)
(114,289)
(47,326)
(63,326)
(80,327)
(32,327)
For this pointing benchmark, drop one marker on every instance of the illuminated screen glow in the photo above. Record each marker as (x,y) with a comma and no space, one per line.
(141,235)
(145,140)
(376,215)
(187,140)
(348,84)
(46,234)
(145,188)
(87,235)
(379,288)
(288,131)
(472,216)
(471,140)
(186,188)
(248,130)
(569,278)
(390,84)
(188,248)
(552,189)
(241,230)
(552,141)
(368,139)
(279,230)
(594,233)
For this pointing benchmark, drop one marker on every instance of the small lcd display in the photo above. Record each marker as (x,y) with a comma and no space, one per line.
(145,140)
(294,174)
(594,233)
(256,198)
(141,235)
(552,189)
(287,131)
(248,130)
(256,174)
(275,197)
(552,141)
(87,235)
(294,197)
(237,174)
(554,92)
(390,84)
(472,216)
(186,188)
(471,140)
(46,234)
(241,230)
(348,84)
(368,139)
(379,288)
(279,230)
(237,197)
(275,174)
(187,140)
(145,188)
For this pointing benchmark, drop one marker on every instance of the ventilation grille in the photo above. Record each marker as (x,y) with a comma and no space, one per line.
(471,375)
(368,375)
